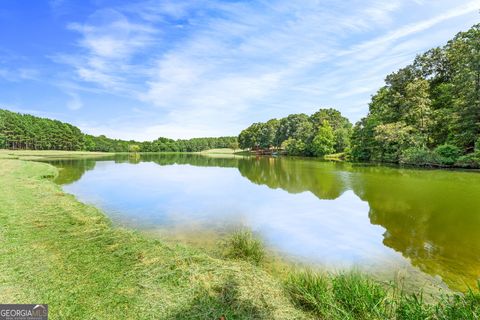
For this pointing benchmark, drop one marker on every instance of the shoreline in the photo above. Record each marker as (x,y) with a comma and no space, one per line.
(34,155)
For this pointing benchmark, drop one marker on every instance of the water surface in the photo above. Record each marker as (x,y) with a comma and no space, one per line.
(332,214)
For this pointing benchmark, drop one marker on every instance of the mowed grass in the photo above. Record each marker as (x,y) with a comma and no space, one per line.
(220,151)
(59,251)
(335,157)
(225,152)
(48,154)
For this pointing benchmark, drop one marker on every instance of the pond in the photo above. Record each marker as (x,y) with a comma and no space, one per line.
(335,215)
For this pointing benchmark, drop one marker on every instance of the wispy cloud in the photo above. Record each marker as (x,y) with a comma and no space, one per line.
(19,74)
(74,103)
(228,71)
(377,46)
(199,68)
(109,41)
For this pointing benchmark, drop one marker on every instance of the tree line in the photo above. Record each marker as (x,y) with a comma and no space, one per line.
(324,132)
(427,113)
(24,131)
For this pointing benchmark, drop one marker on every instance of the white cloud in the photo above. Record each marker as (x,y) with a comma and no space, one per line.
(378,46)
(75,102)
(109,40)
(234,63)
(19,74)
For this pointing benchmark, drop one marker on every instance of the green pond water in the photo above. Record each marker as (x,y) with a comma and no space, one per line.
(425,223)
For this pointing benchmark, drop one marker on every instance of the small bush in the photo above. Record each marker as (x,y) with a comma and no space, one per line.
(347,154)
(448,154)
(294,147)
(418,156)
(471,160)
(243,245)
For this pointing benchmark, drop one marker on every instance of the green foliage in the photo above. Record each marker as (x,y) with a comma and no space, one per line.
(3,141)
(418,105)
(243,245)
(23,131)
(471,160)
(234,145)
(133,148)
(420,156)
(431,102)
(324,140)
(294,147)
(363,140)
(342,139)
(20,131)
(447,154)
(296,133)
(391,140)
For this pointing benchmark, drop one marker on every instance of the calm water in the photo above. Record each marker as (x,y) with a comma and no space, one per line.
(332,214)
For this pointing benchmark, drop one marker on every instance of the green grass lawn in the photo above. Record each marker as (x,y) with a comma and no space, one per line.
(220,151)
(50,154)
(335,157)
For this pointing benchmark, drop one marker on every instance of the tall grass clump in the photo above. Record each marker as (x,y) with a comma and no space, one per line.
(412,307)
(342,296)
(244,245)
(310,292)
(359,296)
(460,306)
(355,296)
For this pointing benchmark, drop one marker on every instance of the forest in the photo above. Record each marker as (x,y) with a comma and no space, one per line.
(427,113)
(24,131)
(324,132)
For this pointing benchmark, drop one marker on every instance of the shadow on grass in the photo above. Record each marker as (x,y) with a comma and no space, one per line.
(222,302)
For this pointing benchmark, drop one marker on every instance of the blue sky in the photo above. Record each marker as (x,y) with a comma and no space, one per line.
(144,69)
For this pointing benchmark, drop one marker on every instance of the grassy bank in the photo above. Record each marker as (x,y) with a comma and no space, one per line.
(48,154)
(59,251)
(225,152)
(335,157)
